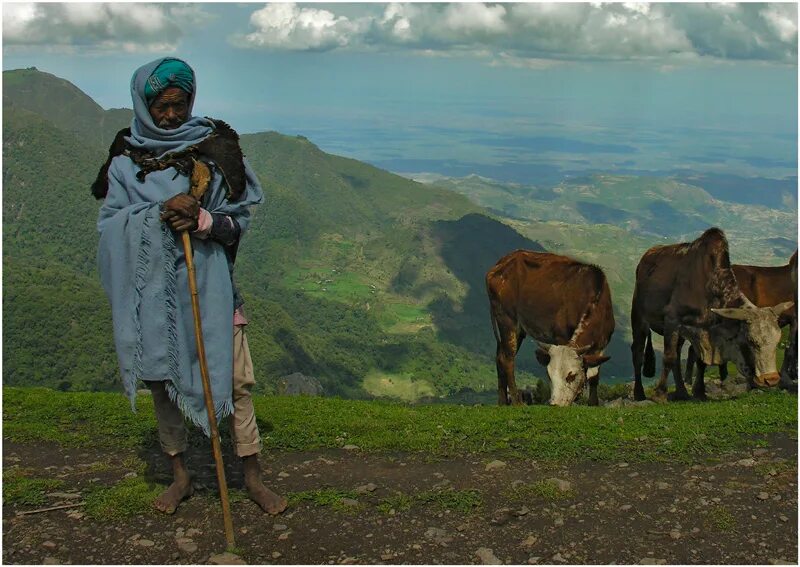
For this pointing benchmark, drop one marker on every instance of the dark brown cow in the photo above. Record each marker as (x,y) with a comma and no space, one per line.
(690,290)
(766,286)
(565,306)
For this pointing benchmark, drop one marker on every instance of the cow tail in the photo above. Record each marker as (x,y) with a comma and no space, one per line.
(649,369)
(495,330)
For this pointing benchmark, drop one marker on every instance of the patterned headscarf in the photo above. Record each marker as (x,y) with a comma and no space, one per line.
(170,73)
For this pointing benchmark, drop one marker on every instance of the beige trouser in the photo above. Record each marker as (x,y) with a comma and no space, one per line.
(244,431)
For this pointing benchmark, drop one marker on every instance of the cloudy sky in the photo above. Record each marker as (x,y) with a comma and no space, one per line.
(536,89)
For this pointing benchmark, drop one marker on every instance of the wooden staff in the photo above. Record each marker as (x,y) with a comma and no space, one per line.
(200,179)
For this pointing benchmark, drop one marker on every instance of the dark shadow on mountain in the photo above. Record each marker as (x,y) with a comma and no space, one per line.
(602,214)
(470,246)
(666,220)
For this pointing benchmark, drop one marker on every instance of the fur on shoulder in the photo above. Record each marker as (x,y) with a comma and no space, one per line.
(221,147)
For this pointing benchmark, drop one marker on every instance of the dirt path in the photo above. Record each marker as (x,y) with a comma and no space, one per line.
(736,508)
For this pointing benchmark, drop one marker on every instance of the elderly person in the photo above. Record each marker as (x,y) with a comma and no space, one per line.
(145,185)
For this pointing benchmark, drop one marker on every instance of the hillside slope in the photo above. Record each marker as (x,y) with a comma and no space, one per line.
(351,274)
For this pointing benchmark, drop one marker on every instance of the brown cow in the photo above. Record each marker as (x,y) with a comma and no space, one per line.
(565,306)
(765,286)
(690,290)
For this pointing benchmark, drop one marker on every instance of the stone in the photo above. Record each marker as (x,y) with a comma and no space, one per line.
(186,545)
(675,534)
(50,561)
(487,556)
(783,518)
(438,535)
(49,544)
(529,541)
(558,522)
(348,502)
(562,485)
(524,511)
(365,488)
(625,507)
(746,462)
(386,556)
(495,465)
(533,560)
(351,447)
(285,535)
(662,485)
(276,554)
(762,496)
(652,561)
(558,557)
(146,543)
(283,474)
(228,558)
(279,527)
(191,532)
(64,495)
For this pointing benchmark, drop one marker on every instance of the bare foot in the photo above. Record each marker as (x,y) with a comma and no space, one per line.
(169,500)
(270,502)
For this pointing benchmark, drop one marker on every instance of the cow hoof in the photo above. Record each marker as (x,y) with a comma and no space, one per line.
(638,394)
(679,397)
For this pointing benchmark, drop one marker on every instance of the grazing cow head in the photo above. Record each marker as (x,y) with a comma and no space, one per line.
(749,337)
(568,368)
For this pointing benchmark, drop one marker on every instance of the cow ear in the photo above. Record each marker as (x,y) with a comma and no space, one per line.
(592,360)
(733,313)
(542,356)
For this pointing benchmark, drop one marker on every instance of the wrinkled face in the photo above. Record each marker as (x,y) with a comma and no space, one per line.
(754,336)
(567,371)
(170,109)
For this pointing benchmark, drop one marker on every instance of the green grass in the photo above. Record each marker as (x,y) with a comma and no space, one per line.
(659,432)
(29,491)
(129,497)
(456,500)
(721,519)
(399,503)
(324,497)
(462,501)
(546,489)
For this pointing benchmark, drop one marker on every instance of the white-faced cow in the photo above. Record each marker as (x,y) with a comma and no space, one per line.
(689,290)
(766,286)
(565,306)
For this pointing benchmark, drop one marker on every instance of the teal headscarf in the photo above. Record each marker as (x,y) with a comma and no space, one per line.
(170,73)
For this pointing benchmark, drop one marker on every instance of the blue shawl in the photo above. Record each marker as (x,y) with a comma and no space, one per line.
(143,271)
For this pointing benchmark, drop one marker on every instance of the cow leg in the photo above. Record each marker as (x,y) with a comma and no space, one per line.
(593,382)
(699,387)
(513,391)
(672,364)
(506,353)
(690,364)
(637,352)
(723,370)
(789,366)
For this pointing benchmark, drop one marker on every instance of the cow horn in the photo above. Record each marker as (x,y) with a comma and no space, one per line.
(781,307)
(545,346)
(581,350)
(738,313)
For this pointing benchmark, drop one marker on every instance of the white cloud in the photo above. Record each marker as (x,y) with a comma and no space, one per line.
(99,27)
(540,31)
(286,26)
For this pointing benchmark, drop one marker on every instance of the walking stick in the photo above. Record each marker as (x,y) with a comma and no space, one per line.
(200,179)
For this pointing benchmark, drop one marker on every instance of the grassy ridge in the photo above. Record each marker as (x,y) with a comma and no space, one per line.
(679,431)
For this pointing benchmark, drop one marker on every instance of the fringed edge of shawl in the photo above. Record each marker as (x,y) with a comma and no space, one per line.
(222,408)
(139,284)
(171,302)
